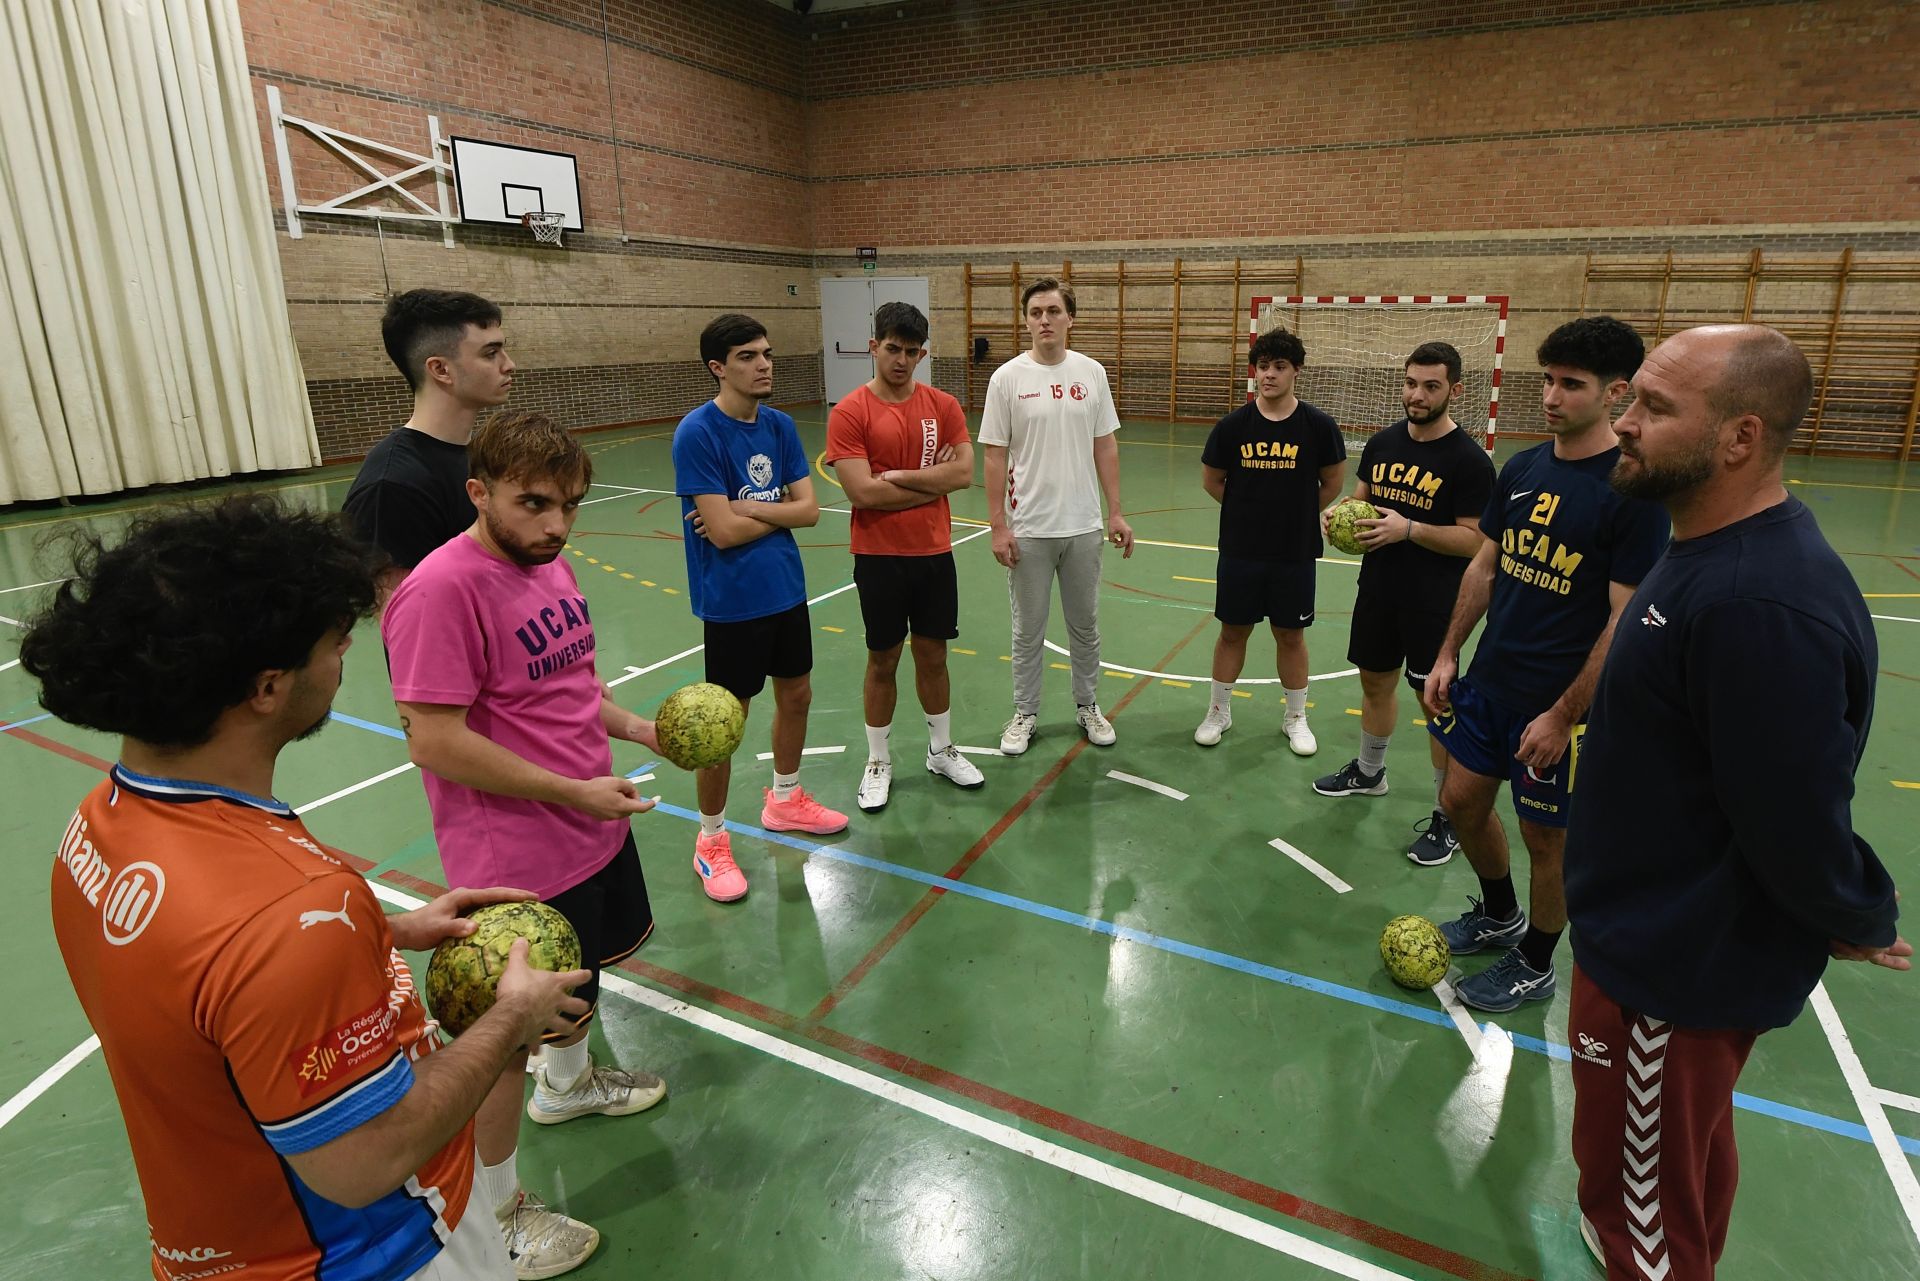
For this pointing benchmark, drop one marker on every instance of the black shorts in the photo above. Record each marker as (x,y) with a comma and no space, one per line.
(901,594)
(610,912)
(1246,591)
(741,656)
(1391,631)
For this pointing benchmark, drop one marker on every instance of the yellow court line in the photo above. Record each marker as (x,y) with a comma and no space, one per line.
(1842,484)
(820,465)
(1177,684)
(836,630)
(970,653)
(1911,787)
(1182,578)
(1241,693)
(1891,595)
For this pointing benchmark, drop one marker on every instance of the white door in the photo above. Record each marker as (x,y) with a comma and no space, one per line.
(847,304)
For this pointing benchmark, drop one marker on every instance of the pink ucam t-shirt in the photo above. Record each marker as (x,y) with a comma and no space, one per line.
(512,644)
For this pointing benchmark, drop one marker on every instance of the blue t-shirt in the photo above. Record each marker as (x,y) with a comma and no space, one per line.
(715,454)
(1564,534)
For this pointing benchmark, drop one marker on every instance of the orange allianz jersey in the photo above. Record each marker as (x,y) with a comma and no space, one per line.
(902,437)
(250,1006)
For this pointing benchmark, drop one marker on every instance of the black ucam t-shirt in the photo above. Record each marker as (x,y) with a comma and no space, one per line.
(410,495)
(1564,534)
(1271,508)
(1430,482)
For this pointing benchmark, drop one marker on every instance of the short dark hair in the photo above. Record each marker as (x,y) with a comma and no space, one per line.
(157,635)
(1048,285)
(430,322)
(723,334)
(1278,343)
(526,445)
(1768,376)
(900,320)
(1437,353)
(1601,345)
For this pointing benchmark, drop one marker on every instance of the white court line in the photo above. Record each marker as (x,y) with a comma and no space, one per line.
(1895,618)
(979,751)
(45,1081)
(1333,882)
(1126,1182)
(362,785)
(16,622)
(1198,680)
(5,666)
(1905,1185)
(807,751)
(1894,1099)
(27,587)
(633,672)
(631,489)
(1149,784)
(1469,1030)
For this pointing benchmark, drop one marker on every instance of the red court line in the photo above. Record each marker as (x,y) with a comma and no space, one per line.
(934,894)
(60,749)
(1184,1167)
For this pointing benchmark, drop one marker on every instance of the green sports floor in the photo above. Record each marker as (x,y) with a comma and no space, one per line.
(1064,1026)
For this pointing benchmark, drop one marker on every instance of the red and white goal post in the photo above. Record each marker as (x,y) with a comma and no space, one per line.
(1357,346)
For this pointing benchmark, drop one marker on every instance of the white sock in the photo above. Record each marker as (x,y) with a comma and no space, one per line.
(877,742)
(1373,752)
(784,784)
(713,824)
(496,1185)
(1296,702)
(566,1064)
(1439,781)
(1223,697)
(939,731)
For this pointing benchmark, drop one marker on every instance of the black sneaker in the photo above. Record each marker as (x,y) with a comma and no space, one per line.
(1350,780)
(1436,843)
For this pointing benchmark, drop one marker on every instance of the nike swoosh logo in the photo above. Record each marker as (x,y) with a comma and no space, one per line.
(1518,495)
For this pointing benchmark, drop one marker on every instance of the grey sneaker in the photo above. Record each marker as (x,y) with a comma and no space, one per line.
(1436,843)
(1351,780)
(1098,729)
(1018,734)
(1474,931)
(1507,984)
(542,1242)
(603,1090)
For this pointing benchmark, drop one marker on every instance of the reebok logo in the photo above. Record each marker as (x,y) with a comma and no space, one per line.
(1652,618)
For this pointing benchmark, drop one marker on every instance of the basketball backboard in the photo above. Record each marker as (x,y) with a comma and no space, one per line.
(497,183)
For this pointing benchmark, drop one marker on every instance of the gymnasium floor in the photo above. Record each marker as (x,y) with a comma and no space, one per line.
(1064,1026)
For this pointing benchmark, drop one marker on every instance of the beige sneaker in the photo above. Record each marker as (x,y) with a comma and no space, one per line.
(603,1090)
(543,1242)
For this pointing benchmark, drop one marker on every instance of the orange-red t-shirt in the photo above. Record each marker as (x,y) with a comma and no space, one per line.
(250,1005)
(903,437)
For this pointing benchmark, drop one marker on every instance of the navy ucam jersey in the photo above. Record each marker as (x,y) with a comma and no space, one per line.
(1563,534)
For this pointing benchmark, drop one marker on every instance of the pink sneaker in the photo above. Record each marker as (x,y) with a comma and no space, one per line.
(801,813)
(720,876)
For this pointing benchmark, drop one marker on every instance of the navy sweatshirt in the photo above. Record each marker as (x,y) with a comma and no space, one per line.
(1710,851)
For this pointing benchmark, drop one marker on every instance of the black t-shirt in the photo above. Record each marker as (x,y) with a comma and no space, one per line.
(1564,534)
(410,495)
(1431,482)
(1710,850)
(1271,508)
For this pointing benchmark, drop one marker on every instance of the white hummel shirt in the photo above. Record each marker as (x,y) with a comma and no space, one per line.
(1048,417)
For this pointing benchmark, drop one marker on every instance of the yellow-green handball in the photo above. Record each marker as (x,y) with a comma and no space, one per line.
(1415,954)
(700,726)
(463,977)
(1340,519)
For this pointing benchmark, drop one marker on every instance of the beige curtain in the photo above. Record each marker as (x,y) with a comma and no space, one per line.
(144,336)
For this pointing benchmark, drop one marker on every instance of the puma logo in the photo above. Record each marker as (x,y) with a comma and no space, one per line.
(316,916)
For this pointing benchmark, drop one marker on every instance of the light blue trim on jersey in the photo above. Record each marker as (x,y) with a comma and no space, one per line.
(348,1110)
(180,789)
(388,1240)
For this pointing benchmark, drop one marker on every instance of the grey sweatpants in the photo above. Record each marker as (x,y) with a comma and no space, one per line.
(1076,562)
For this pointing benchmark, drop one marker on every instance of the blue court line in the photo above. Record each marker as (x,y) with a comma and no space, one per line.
(1226,960)
(31,720)
(357,723)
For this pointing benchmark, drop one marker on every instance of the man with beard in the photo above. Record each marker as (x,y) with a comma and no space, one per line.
(745,485)
(492,651)
(1708,903)
(1430,482)
(285,1096)
(1561,555)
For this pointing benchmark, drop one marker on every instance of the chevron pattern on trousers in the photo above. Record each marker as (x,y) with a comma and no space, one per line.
(1646,1061)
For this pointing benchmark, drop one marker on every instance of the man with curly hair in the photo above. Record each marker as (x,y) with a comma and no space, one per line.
(283,1092)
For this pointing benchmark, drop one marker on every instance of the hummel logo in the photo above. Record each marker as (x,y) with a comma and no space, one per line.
(1592,1051)
(1653,618)
(316,917)
(1518,494)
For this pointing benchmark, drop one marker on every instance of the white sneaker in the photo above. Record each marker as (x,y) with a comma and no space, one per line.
(1217,723)
(543,1242)
(949,764)
(1099,729)
(603,1090)
(1299,737)
(1018,734)
(875,786)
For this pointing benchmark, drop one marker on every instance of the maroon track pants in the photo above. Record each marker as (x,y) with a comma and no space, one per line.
(1653,1136)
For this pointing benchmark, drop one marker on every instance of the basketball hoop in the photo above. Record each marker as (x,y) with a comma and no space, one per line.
(545,225)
